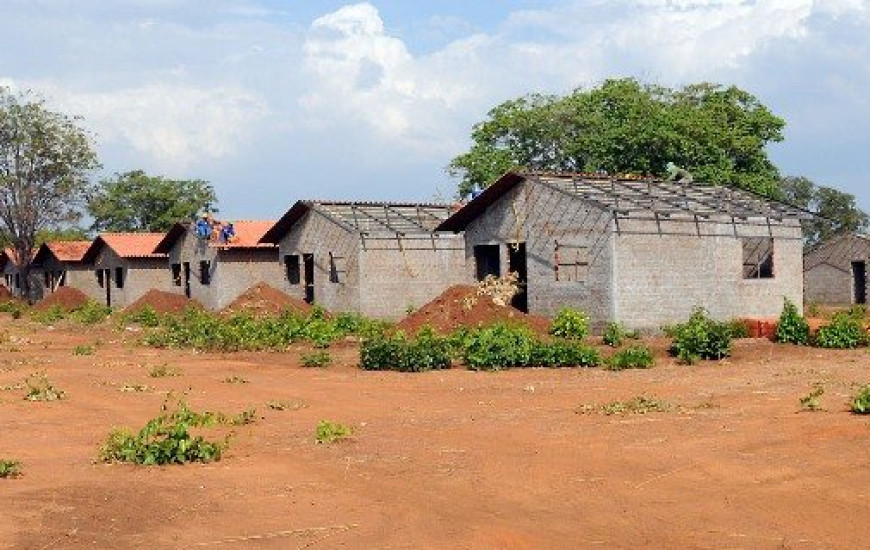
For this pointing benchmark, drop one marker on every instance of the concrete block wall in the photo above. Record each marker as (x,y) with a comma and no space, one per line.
(140,276)
(828,277)
(317,234)
(410,271)
(542,218)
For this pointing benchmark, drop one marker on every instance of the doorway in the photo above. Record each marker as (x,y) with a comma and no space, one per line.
(308,271)
(517,264)
(107,277)
(186,267)
(859,282)
(487,260)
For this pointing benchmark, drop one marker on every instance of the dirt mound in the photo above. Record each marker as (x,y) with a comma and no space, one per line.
(4,293)
(66,297)
(162,302)
(262,299)
(451,310)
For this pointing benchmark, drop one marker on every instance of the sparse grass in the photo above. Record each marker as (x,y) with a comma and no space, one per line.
(861,401)
(9,468)
(40,388)
(331,432)
(135,388)
(281,405)
(164,371)
(317,359)
(235,379)
(83,349)
(811,401)
(640,404)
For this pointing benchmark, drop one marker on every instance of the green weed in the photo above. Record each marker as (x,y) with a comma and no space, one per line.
(700,338)
(318,359)
(861,401)
(9,468)
(330,432)
(637,405)
(811,401)
(792,328)
(164,371)
(40,388)
(637,357)
(570,323)
(83,349)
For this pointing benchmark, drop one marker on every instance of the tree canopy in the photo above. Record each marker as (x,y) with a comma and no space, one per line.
(45,161)
(836,212)
(135,201)
(717,133)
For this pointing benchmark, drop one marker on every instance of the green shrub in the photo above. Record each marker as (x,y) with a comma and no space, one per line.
(563,354)
(9,468)
(499,346)
(615,334)
(792,328)
(637,357)
(844,331)
(861,401)
(12,307)
(317,359)
(739,328)
(570,323)
(40,388)
(425,351)
(330,432)
(701,338)
(810,402)
(51,315)
(166,439)
(83,349)
(146,316)
(164,370)
(90,313)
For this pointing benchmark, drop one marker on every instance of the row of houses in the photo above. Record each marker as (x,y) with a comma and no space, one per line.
(640,251)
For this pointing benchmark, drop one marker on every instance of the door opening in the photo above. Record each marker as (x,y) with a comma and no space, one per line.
(517,264)
(308,267)
(186,267)
(859,282)
(107,277)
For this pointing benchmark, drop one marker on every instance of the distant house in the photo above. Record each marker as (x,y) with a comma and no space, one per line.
(124,266)
(11,272)
(375,258)
(835,271)
(641,252)
(216,273)
(60,263)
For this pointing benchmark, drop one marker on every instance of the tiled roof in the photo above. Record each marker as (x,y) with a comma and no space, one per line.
(248,235)
(8,255)
(126,245)
(366,217)
(68,251)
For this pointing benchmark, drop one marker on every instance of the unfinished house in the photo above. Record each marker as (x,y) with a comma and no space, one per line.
(835,271)
(640,252)
(378,259)
(124,266)
(215,273)
(11,272)
(60,263)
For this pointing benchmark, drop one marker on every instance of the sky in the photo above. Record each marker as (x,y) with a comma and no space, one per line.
(274,101)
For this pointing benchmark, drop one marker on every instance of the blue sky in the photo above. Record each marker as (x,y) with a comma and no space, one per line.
(273,101)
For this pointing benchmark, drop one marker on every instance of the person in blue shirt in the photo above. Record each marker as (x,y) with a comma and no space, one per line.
(203,227)
(228,232)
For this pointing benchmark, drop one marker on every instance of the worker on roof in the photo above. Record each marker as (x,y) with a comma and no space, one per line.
(203,227)
(228,233)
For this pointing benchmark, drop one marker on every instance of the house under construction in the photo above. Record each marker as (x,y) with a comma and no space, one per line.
(835,271)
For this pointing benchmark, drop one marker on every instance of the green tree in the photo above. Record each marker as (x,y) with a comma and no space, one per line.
(135,201)
(719,134)
(45,161)
(836,212)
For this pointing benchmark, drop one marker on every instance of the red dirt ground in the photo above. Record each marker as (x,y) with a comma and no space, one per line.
(441,460)
(66,297)
(262,299)
(446,313)
(4,293)
(163,302)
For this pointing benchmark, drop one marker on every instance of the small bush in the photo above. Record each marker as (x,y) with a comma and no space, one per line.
(844,332)
(861,401)
(563,354)
(12,307)
(701,338)
(570,323)
(166,439)
(426,351)
(83,349)
(146,316)
(91,313)
(615,334)
(164,371)
(792,328)
(810,402)
(330,432)
(637,357)
(9,468)
(318,359)
(499,346)
(739,328)
(51,315)
(40,388)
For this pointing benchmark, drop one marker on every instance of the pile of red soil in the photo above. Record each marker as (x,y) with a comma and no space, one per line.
(162,302)
(4,293)
(448,312)
(262,299)
(66,297)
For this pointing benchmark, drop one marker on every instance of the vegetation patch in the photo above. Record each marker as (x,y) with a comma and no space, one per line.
(615,334)
(812,401)
(282,405)
(861,401)
(164,371)
(424,352)
(40,388)
(845,331)
(636,357)
(235,380)
(83,349)
(331,432)
(135,388)
(792,328)
(503,346)
(700,338)
(317,359)
(90,313)
(167,438)
(570,323)
(640,404)
(9,468)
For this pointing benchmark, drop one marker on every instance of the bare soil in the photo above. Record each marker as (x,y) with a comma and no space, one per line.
(263,300)
(163,302)
(451,310)
(66,297)
(4,293)
(450,459)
